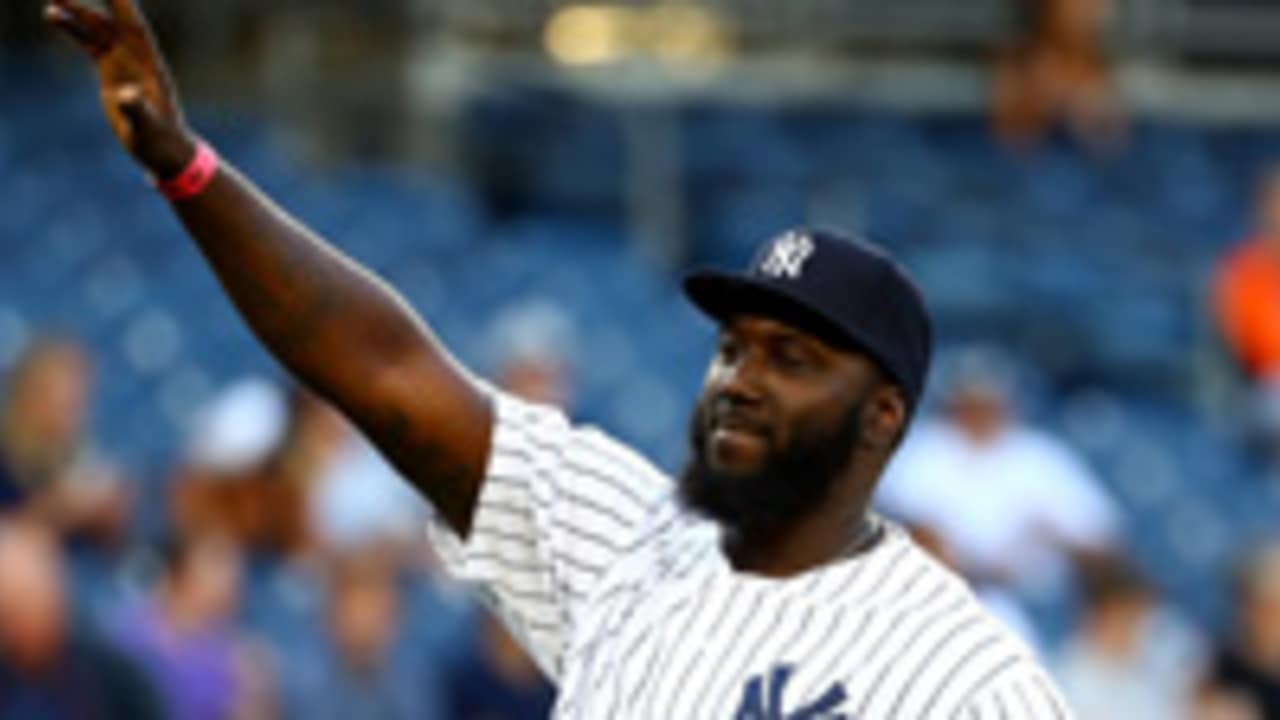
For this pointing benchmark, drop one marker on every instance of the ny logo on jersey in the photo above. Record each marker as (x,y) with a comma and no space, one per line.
(761,702)
(787,256)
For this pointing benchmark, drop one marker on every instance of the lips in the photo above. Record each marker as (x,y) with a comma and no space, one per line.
(737,444)
(738,424)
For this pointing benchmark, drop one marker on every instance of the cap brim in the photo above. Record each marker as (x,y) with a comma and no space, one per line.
(723,296)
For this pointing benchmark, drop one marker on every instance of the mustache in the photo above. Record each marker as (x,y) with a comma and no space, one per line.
(801,468)
(728,414)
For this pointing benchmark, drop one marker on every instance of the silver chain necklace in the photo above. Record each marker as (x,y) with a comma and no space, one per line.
(869,533)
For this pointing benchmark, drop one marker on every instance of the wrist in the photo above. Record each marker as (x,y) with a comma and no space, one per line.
(194,178)
(166,157)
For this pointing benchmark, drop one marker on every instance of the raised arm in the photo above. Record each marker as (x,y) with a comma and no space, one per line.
(335,326)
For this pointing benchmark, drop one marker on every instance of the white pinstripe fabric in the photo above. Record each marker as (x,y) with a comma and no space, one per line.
(628,604)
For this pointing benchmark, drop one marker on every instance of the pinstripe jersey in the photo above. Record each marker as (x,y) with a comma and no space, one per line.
(626,601)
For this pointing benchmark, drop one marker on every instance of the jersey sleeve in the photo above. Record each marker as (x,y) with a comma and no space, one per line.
(559,506)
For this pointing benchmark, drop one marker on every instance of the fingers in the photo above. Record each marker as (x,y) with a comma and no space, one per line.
(133,104)
(146,121)
(89,28)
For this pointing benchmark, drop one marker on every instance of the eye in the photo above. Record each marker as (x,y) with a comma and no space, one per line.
(727,348)
(792,355)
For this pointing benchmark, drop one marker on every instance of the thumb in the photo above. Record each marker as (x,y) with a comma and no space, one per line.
(135,108)
(160,145)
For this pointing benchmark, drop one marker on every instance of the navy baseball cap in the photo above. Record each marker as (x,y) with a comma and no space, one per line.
(845,290)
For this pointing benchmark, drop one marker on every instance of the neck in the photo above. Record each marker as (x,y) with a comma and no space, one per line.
(840,527)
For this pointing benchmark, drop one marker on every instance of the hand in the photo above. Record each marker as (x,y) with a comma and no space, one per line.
(136,89)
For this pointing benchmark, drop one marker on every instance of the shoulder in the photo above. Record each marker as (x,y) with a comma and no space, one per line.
(926,587)
(544,435)
(909,567)
(670,538)
(974,658)
(929,648)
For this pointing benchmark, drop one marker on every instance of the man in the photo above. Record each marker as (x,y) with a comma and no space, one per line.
(50,665)
(761,589)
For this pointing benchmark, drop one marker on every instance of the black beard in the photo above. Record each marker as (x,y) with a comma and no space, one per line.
(794,481)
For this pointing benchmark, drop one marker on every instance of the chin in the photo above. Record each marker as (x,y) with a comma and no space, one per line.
(732,461)
(737,458)
(722,491)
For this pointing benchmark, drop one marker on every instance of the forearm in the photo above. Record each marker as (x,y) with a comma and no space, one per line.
(328,320)
(349,337)
(334,325)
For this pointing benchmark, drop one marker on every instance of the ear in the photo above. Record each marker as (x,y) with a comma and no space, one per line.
(884,417)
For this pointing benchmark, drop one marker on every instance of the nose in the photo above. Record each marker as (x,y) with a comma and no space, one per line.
(739,381)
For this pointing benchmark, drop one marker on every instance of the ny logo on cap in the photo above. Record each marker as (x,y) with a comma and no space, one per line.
(788,256)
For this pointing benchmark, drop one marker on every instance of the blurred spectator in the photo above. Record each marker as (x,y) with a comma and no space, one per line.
(315,436)
(1060,73)
(254,462)
(365,669)
(1014,504)
(1245,673)
(46,461)
(356,499)
(285,472)
(185,637)
(532,345)
(50,667)
(1247,304)
(1129,658)
(1247,290)
(227,480)
(50,467)
(496,680)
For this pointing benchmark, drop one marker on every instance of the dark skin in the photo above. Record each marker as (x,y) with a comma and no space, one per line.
(768,379)
(337,328)
(356,343)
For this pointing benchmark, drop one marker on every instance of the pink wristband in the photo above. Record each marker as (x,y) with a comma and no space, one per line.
(194,178)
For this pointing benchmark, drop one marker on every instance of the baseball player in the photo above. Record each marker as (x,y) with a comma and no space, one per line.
(757,586)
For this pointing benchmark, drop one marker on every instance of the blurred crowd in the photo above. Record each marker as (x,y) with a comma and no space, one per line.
(292,577)
(1058,75)
(1020,513)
